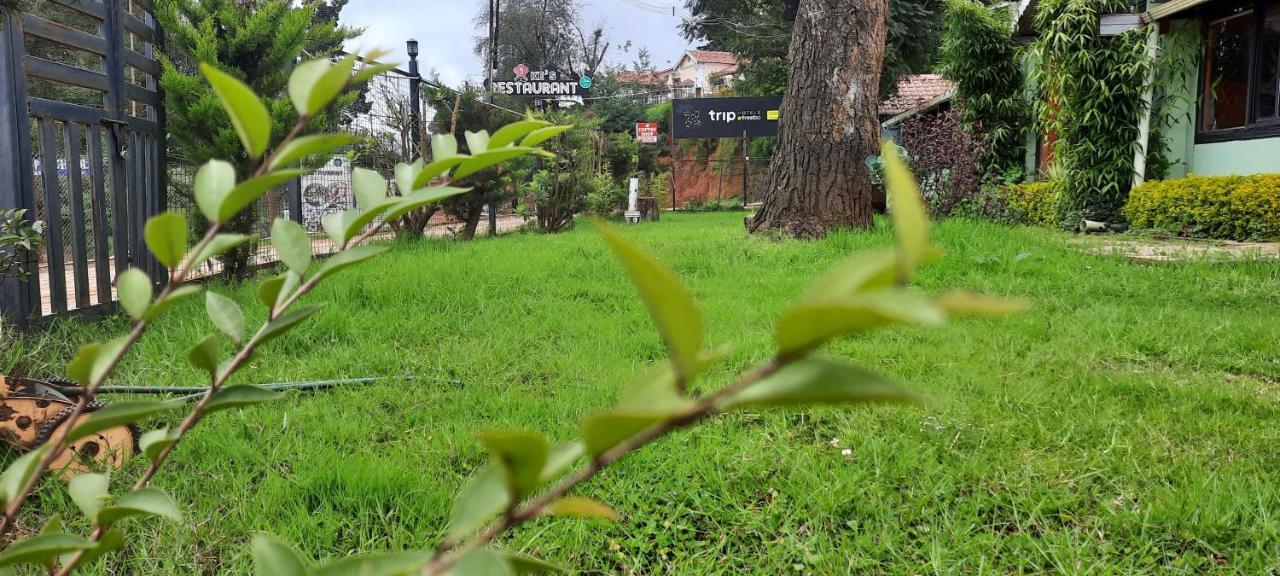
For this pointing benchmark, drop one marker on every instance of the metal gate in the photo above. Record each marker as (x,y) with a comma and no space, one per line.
(82,145)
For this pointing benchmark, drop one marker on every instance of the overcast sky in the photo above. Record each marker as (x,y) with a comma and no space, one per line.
(445,32)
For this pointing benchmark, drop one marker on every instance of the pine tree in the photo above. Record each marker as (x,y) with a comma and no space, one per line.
(257,41)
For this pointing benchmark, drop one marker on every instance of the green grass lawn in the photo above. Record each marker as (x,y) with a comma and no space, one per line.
(1129,423)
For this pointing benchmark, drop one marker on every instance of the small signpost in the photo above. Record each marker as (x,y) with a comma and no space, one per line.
(647,132)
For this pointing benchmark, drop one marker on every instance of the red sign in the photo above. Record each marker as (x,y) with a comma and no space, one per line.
(647,132)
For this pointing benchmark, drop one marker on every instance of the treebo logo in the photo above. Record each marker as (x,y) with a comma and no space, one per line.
(585,82)
(723,116)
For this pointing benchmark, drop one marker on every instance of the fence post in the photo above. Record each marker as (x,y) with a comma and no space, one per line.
(746,165)
(293,199)
(17,297)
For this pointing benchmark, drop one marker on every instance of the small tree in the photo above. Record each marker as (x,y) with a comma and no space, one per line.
(256,41)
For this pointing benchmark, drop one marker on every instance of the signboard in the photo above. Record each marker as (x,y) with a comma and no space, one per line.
(725,117)
(647,132)
(528,82)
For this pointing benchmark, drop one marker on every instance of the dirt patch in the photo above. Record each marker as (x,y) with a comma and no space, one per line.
(1178,249)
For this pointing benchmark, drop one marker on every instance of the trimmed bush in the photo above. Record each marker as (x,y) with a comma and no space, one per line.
(1030,203)
(1224,207)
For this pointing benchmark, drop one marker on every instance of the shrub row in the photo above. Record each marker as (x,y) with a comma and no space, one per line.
(1225,207)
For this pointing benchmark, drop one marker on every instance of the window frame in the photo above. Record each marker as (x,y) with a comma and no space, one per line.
(1253,127)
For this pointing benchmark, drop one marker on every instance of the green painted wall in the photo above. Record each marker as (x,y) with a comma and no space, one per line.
(1222,158)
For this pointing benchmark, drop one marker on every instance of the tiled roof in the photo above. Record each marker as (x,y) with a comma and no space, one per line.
(713,57)
(644,77)
(914,90)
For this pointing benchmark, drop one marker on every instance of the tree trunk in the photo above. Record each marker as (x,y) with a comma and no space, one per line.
(818,178)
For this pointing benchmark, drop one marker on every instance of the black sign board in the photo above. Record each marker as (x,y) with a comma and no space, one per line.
(725,117)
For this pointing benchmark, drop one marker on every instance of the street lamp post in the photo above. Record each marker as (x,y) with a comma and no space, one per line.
(415,99)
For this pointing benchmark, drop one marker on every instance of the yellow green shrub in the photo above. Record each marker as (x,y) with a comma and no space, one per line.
(1225,207)
(1031,203)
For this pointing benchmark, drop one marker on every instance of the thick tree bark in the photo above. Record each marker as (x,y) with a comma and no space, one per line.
(819,179)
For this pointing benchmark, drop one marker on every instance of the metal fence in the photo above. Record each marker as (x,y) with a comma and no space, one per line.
(717,183)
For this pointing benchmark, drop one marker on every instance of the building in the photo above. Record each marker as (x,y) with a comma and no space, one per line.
(698,74)
(917,94)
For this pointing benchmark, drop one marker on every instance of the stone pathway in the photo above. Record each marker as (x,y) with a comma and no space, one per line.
(1178,249)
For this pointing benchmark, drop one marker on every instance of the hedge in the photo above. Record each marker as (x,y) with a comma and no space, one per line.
(1030,203)
(1223,207)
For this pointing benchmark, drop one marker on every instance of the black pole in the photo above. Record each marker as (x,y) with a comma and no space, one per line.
(415,103)
(671,143)
(746,163)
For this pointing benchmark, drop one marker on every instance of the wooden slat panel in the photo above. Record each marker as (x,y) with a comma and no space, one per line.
(65,111)
(147,5)
(98,213)
(144,126)
(79,258)
(41,68)
(141,94)
(141,62)
(120,202)
(52,217)
(65,35)
(137,249)
(142,29)
(93,8)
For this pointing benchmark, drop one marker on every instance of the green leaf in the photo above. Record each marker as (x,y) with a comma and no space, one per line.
(656,389)
(812,323)
(269,290)
(559,458)
(968,304)
(220,244)
(580,507)
(347,258)
(214,181)
(272,557)
(603,430)
(406,174)
(43,548)
(119,414)
(226,315)
(134,289)
(514,131)
(443,146)
(314,84)
(110,541)
(370,187)
(292,244)
(19,473)
(477,142)
(522,564)
(478,162)
(302,148)
(378,564)
(437,168)
(669,302)
(177,295)
(142,502)
(369,71)
(861,272)
(244,194)
(818,380)
(420,198)
(521,454)
(910,221)
(166,236)
(338,224)
(484,496)
(154,442)
(205,354)
(286,322)
(90,493)
(481,562)
(543,134)
(240,396)
(93,360)
(248,115)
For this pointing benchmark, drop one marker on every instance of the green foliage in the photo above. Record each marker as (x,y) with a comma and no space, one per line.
(20,239)
(1093,100)
(1226,207)
(980,55)
(1029,203)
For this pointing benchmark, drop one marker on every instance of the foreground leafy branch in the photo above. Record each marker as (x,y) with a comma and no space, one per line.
(528,476)
(312,87)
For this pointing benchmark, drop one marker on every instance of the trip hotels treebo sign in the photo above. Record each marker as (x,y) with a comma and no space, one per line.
(542,83)
(725,117)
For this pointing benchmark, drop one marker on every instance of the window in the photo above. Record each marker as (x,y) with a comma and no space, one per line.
(1241,92)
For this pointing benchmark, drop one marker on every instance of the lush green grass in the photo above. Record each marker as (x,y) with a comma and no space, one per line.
(1127,424)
